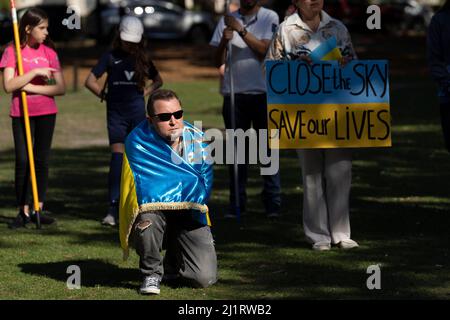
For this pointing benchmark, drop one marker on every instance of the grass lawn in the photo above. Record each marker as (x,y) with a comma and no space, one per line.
(400,206)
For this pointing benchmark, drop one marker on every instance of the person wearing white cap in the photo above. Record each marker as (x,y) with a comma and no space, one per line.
(131,75)
(131,29)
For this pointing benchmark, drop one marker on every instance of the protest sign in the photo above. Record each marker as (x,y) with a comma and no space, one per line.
(324,105)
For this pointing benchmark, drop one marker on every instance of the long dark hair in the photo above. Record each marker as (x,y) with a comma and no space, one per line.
(140,53)
(32,18)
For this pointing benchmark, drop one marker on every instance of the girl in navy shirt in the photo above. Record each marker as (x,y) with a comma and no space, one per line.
(129,71)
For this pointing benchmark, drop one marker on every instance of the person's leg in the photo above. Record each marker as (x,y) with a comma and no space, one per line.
(315,211)
(445,122)
(271,194)
(338,175)
(242,182)
(21,172)
(244,123)
(195,244)
(115,172)
(172,258)
(123,126)
(21,161)
(117,132)
(44,127)
(43,135)
(148,233)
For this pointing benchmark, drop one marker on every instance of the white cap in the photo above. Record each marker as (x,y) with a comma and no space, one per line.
(131,29)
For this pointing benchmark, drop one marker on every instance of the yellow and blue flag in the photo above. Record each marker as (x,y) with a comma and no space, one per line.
(326,51)
(155,177)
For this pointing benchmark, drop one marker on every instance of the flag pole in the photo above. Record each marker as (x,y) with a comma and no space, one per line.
(36,208)
(233,124)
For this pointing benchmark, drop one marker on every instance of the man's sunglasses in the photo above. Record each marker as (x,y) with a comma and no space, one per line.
(167,116)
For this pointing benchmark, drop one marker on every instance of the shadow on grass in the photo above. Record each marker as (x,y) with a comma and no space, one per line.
(94,273)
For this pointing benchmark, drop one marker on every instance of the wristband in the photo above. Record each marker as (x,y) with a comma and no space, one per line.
(243,32)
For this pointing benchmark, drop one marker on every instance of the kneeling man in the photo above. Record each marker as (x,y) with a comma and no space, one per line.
(166,183)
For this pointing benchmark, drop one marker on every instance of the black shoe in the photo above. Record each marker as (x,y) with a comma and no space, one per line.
(43,218)
(20,221)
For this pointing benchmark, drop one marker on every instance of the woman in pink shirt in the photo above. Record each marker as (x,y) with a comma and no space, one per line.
(42,80)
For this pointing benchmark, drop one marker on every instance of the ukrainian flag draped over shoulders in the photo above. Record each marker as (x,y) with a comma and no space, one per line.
(155,177)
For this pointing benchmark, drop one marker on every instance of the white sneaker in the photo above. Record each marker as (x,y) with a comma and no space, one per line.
(348,244)
(150,285)
(321,246)
(109,220)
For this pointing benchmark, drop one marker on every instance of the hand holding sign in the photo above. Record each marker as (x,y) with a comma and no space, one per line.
(305,58)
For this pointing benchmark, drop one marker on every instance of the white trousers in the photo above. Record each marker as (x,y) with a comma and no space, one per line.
(327,177)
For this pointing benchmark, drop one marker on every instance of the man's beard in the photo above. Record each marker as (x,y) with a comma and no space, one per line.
(176,134)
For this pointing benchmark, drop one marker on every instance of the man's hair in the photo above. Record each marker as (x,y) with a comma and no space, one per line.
(160,94)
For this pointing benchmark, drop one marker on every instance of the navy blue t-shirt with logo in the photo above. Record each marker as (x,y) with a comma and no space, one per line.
(123,92)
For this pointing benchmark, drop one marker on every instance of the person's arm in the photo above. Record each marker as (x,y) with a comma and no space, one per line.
(156,84)
(435,56)
(221,51)
(92,84)
(258,46)
(348,51)
(57,89)
(219,41)
(12,83)
(276,49)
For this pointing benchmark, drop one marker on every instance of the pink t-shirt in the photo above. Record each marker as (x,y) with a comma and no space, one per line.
(41,57)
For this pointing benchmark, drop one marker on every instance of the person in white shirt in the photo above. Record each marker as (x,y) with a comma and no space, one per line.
(250,30)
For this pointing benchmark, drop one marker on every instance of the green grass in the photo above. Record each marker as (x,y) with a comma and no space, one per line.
(400,205)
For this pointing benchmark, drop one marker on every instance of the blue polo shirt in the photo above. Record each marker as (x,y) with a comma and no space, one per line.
(123,91)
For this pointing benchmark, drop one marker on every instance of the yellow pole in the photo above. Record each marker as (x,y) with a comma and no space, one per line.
(26,117)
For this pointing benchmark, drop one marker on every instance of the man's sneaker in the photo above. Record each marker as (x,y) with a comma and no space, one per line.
(20,221)
(321,246)
(109,220)
(43,218)
(348,244)
(150,285)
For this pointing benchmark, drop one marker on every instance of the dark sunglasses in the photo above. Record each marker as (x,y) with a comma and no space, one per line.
(167,116)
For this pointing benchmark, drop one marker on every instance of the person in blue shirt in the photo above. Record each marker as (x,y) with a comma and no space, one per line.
(131,75)
(438,47)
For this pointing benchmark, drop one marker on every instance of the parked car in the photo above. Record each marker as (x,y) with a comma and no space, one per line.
(161,20)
